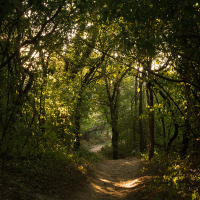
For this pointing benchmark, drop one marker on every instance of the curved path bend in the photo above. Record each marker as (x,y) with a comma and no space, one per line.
(120,179)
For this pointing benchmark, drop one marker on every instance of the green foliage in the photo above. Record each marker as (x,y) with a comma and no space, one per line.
(176,178)
(68,67)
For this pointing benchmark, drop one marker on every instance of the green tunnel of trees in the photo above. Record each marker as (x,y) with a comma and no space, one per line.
(134,64)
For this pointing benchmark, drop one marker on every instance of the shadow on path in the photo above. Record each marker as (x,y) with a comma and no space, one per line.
(121,179)
(115,179)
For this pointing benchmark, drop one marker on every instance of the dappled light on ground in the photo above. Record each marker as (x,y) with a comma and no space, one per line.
(129,184)
(122,184)
(118,179)
(118,189)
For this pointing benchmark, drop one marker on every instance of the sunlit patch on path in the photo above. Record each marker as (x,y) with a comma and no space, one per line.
(118,179)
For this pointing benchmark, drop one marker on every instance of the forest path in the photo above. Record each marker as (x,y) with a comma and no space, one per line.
(109,180)
(115,179)
(96,148)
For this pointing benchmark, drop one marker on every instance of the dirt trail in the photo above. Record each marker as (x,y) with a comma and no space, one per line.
(96,148)
(111,179)
(115,179)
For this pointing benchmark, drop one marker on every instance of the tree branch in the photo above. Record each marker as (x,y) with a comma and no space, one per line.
(33,40)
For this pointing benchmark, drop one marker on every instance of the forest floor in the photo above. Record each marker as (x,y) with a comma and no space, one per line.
(115,179)
(107,179)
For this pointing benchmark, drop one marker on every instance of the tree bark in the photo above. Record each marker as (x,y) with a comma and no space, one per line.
(115,136)
(135,113)
(114,117)
(114,106)
(140,120)
(77,124)
(113,98)
(151,115)
(173,137)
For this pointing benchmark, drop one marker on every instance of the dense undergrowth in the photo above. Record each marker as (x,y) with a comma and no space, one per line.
(24,179)
(176,178)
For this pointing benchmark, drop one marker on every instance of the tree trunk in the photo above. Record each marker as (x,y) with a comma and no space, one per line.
(173,137)
(135,113)
(162,121)
(113,98)
(151,122)
(151,115)
(115,135)
(114,117)
(77,124)
(140,120)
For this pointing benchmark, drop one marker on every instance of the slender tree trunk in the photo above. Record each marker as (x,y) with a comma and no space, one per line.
(113,98)
(151,115)
(162,121)
(151,122)
(114,107)
(135,112)
(140,120)
(173,137)
(186,139)
(115,135)
(77,124)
